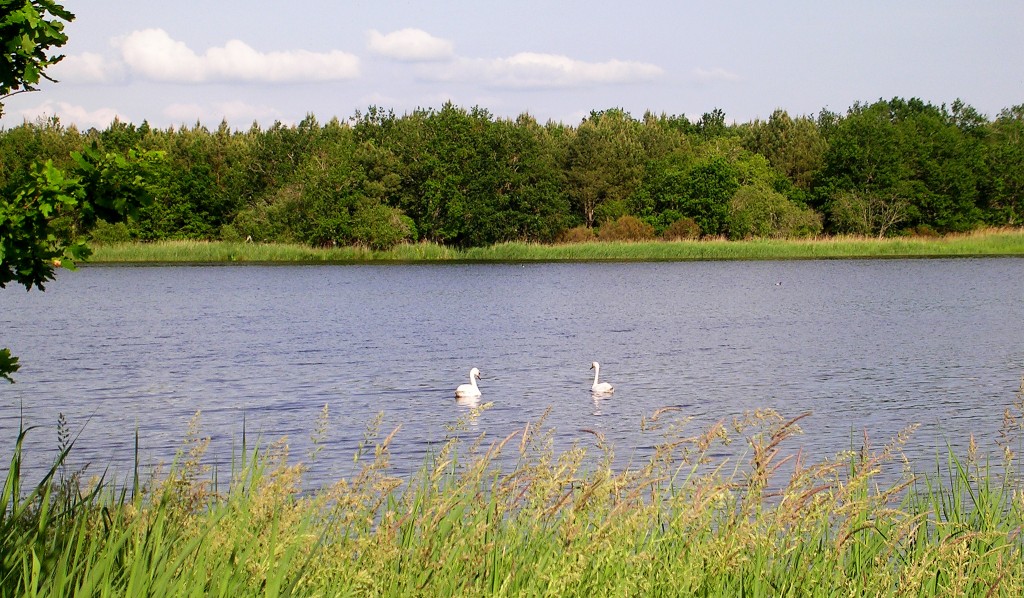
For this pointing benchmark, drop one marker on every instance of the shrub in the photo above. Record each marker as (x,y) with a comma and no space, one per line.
(681,230)
(848,214)
(611,209)
(263,222)
(381,227)
(923,230)
(867,213)
(230,233)
(626,228)
(577,234)
(105,233)
(759,212)
(662,220)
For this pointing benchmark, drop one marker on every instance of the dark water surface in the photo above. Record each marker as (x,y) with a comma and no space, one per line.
(866,345)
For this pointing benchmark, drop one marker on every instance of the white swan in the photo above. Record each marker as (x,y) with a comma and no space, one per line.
(469,391)
(600,387)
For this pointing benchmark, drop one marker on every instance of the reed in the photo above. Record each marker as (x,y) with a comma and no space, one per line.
(993,242)
(766,522)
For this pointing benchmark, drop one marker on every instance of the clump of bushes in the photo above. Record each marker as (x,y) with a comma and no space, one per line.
(297,216)
(105,233)
(923,231)
(683,229)
(760,212)
(626,228)
(381,227)
(577,234)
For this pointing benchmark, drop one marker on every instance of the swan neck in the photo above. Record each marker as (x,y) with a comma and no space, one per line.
(597,372)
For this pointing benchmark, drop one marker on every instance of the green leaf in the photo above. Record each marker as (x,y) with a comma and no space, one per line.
(8,365)
(31,74)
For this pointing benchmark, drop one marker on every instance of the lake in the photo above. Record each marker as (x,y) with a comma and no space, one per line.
(867,346)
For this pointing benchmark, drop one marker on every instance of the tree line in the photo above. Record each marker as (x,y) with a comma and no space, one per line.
(467,178)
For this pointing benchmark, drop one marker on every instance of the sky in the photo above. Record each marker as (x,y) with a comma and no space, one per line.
(245,61)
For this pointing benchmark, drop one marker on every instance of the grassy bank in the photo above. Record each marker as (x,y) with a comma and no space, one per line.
(1000,242)
(688,522)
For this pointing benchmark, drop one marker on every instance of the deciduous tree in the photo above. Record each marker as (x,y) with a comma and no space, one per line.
(604,164)
(1005,160)
(911,153)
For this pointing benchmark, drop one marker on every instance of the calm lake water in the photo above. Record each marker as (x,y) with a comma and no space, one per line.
(865,345)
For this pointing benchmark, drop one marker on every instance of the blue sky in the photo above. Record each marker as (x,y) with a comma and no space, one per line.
(174,63)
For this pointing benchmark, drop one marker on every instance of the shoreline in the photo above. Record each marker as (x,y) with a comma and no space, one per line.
(988,243)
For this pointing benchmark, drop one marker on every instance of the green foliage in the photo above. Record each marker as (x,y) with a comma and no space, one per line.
(758,212)
(107,186)
(662,191)
(463,177)
(867,213)
(603,163)
(610,211)
(467,179)
(382,227)
(794,147)
(707,189)
(712,124)
(37,142)
(28,31)
(115,186)
(99,186)
(201,182)
(852,213)
(8,365)
(1004,201)
(107,234)
(264,222)
(29,248)
(912,158)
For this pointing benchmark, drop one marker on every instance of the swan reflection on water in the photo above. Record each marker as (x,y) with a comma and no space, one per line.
(474,409)
(470,402)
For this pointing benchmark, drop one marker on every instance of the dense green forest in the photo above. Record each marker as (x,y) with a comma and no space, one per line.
(467,178)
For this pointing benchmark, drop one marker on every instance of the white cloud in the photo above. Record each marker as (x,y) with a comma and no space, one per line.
(70,114)
(153,54)
(715,74)
(87,68)
(410,45)
(529,70)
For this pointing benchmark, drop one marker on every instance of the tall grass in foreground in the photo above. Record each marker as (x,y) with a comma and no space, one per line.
(557,524)
(981,243)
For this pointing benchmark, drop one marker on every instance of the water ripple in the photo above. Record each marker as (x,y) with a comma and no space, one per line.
(865,345)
